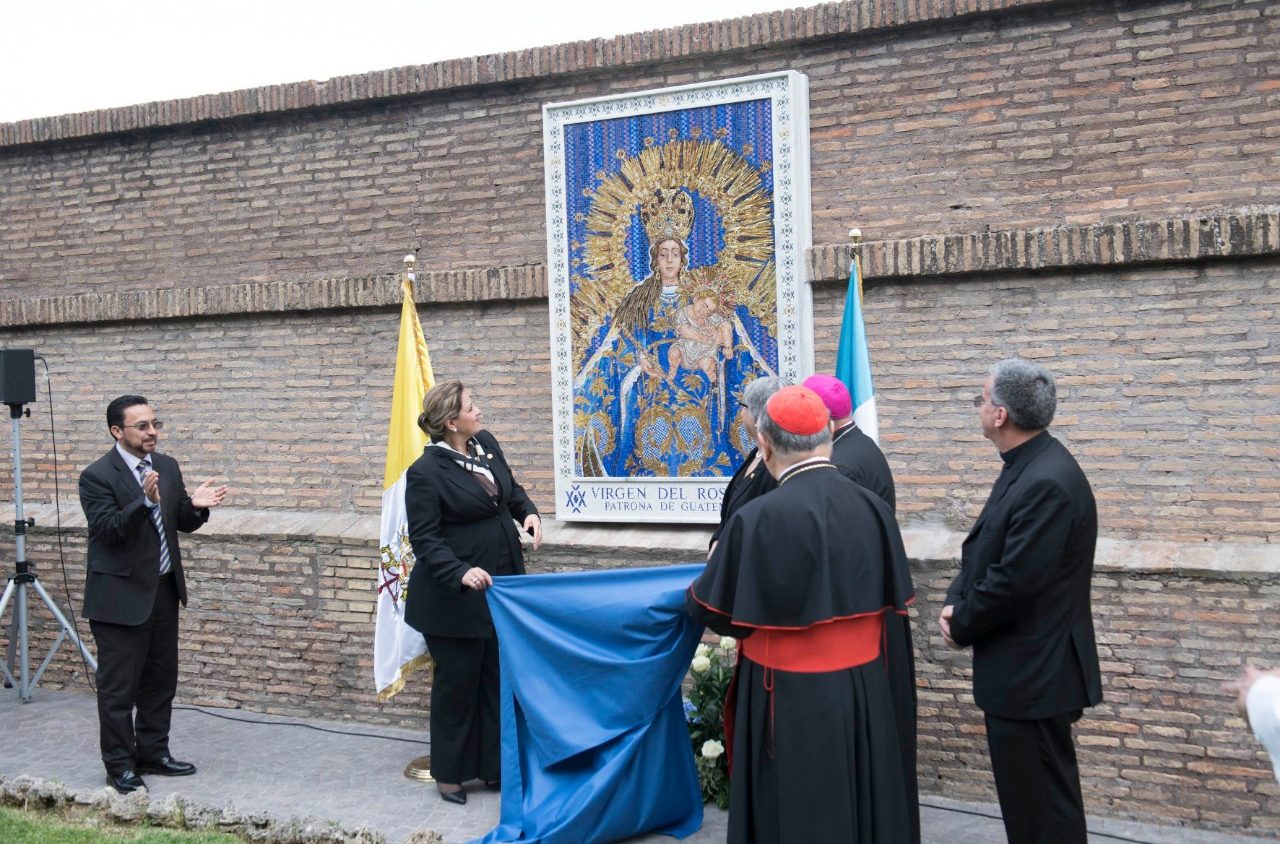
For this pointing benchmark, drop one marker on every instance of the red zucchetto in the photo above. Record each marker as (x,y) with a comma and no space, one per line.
(798,410)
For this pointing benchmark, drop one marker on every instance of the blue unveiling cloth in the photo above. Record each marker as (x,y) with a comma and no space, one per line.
(594,741)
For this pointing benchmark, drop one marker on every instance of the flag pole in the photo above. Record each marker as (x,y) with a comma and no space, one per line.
(420,767)
(853,364)
(855,247)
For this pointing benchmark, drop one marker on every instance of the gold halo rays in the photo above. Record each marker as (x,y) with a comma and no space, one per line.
(744,266)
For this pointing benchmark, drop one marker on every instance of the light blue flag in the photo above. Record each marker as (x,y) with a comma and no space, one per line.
(853,364)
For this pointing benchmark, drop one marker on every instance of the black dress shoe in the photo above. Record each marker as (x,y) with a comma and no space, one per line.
(167,766)
(125,781)
(459,797)
(494,785)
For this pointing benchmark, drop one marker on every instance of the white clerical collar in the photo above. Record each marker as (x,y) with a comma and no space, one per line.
(804,466)
(842,430)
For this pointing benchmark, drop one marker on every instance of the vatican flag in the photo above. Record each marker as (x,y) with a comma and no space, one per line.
(398,649)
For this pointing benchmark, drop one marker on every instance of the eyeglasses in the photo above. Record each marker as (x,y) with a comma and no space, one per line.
(143,427)
(978,400)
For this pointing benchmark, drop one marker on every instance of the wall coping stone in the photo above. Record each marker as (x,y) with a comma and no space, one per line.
(1242,234)
(931,545)
(732,35)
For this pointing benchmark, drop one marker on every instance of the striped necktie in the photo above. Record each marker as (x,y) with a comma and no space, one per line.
(165,565)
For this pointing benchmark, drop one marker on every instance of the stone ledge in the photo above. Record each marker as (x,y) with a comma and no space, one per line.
(931,546)
(139,810)
(1243,233)
(1133,243)
(381,291)
(767,29)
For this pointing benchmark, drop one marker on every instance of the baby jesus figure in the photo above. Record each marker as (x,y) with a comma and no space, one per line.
(702,331)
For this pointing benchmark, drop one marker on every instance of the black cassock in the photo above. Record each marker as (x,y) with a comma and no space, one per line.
(817,754)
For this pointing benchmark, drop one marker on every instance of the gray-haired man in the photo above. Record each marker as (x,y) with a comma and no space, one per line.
(1021,601)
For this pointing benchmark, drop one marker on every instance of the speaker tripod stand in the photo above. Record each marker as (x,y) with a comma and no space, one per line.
(22,580)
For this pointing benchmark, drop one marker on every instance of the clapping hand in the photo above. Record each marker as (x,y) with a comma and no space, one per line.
(151,487)
(206,495)
(1240,688)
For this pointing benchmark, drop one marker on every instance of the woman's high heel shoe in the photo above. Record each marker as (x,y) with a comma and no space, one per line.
(457,796)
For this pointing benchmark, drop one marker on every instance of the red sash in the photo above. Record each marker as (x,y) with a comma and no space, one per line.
(830,646)
(823,647)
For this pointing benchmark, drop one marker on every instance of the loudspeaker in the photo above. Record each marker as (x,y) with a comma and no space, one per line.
(17,376)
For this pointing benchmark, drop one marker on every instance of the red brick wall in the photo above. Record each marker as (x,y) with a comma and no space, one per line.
(229,256)
(286,626)
(1055,113)
(1165,371)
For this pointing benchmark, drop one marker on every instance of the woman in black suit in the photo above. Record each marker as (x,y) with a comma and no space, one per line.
(752,479)
(461,500)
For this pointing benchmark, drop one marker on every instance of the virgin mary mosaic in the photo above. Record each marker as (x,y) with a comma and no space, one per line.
(668,220)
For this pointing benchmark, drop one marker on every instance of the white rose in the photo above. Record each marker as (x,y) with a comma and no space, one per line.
(700,664)
(702,650)
(712,749)
(728,643)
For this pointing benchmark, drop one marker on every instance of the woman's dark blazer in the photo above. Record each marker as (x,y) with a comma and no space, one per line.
(454,525)
(741,489)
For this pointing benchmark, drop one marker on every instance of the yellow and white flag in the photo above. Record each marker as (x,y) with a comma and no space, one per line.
(398,649)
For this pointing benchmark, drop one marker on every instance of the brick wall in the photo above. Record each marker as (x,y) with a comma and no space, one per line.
(291,408)
(1060,112)
(1166,371)
(1088,184)
(286,626)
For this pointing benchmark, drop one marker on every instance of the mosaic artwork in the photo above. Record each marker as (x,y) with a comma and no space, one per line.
(674,285)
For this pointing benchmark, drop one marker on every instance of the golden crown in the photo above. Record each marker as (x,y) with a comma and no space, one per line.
(667,215)
(707,281)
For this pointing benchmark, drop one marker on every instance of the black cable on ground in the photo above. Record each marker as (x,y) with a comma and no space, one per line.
(1092,833)
(211,714)
(57,508)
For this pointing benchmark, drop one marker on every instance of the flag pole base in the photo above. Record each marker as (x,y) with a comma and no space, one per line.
(419,769)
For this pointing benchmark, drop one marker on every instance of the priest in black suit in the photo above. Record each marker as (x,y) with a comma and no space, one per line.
(462,504)
(1021,600)
(853,452)
(135,503)
(804,577)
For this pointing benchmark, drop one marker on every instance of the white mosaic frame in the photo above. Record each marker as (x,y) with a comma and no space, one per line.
(676,500)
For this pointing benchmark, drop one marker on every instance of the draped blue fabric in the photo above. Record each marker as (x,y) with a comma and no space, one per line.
(594,741)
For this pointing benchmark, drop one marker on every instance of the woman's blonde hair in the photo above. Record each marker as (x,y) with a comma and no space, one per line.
(441,403)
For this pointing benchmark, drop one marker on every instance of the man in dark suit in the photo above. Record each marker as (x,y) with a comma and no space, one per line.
(854,453)
(135,504)
(1021,601)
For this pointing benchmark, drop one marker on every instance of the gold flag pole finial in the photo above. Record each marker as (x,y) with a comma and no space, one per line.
(855,240)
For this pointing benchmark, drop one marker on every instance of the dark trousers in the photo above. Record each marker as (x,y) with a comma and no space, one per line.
(466,740)
(137,669)
(1037,779)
